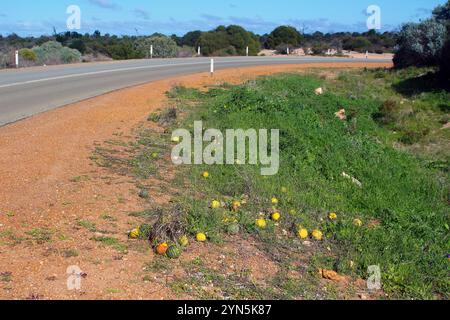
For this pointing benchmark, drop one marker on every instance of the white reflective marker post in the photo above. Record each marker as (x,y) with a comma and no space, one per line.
(151,51)
(246,51)
(199,51)
(17,58)
(212,67)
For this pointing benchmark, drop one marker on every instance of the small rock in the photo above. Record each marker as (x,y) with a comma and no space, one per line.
(341,114)
(307,243)
(318,91)
(354,180)
(331,275)
(362,296)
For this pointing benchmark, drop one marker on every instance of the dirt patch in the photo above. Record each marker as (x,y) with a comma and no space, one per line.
(58,209)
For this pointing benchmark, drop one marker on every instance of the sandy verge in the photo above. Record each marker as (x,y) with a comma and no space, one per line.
(346,53)
(49,182)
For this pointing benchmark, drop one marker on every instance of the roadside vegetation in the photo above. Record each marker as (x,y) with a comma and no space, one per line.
(230,40)
(426,44)
(357,187)
(398,218)
(421,44)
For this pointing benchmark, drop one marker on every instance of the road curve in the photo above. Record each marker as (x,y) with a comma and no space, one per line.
(26,92)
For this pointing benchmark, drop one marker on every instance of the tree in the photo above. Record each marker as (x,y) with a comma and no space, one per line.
(212,42)
(177,39)
(442,13)
(231,40)
(163,47)
(191,38)
(79,45)
(420,44)
(284,35)
(240,39)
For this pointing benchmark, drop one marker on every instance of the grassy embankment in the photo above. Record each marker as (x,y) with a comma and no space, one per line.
(391,141)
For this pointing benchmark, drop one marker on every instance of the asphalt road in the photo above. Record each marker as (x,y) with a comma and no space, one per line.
(26,92)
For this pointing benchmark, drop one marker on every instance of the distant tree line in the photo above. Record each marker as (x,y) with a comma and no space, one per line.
(222,41)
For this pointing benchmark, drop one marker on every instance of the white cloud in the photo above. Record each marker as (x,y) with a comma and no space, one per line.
(106,4)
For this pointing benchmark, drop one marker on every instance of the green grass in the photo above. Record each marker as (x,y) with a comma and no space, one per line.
(201,281)
(159,264)
(87,225)
(108,217)
(79,179)
(5,277)
(112,242)
(402,202)
(40,235)
(411,105)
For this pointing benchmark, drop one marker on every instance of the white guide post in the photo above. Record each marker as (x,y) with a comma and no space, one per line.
(151,51)
(212,67)
(287,50)
(246,51)
(199,51)
(17,58)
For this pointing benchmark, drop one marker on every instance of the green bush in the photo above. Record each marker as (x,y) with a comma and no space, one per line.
(163,47)
(420,44)
(28,54)
(283,35)
(53,52)
(191,38)
(231,40)
(360,44)
(79,45)
(225,52)
(319,48)
(4,60)
(124,50)
(442,14)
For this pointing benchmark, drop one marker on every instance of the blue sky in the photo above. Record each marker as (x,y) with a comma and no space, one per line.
(178,16)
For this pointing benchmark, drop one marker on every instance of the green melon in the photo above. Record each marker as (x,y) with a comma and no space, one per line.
(233,229)
(144,194)
(173,252)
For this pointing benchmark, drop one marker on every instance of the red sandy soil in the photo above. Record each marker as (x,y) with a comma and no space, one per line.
(41,157)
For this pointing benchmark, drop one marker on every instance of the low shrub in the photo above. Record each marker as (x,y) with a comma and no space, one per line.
(53,52)
(28,54)
(163,47)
